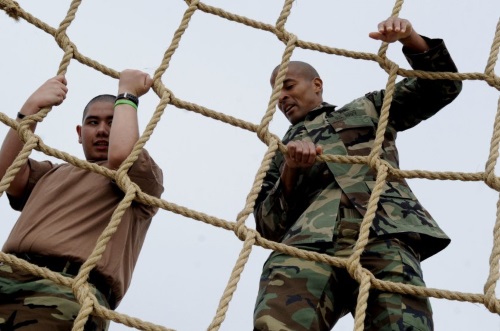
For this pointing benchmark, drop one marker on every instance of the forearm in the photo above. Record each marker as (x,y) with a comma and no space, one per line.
(270,215)
(123,135)
(125,128)
(416,99)
(288,180)
(415,43)
(51,93)
(433,94)
(271,207)
(11,147)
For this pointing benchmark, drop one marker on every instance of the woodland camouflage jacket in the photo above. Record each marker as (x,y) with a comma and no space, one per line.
(309,215)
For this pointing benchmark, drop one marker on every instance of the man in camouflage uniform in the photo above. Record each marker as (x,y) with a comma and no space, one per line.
(319,206)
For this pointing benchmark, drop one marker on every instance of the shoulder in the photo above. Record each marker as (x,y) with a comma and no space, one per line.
(365,105)
(147,174)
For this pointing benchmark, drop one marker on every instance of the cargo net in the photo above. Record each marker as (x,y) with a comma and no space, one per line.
(249,237)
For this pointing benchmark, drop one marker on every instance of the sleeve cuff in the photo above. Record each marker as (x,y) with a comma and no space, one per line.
(277,195)
(437,58)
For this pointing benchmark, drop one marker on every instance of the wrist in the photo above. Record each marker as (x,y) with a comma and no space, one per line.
(127,96)
(407,38)
(23,113)
(415,43)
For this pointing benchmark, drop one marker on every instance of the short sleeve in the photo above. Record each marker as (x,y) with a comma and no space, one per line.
(37,170)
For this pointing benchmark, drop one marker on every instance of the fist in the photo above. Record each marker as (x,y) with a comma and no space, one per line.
(135,82)
(301,154)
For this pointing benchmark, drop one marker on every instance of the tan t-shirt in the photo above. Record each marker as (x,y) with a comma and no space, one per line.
(65,209)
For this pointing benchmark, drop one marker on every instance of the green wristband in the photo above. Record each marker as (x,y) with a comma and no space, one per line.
(125,102)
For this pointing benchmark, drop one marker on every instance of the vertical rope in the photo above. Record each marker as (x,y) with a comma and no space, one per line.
(80,285)
(495,47)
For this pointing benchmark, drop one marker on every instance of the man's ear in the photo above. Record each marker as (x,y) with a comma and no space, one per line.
(79,131)
(318,85)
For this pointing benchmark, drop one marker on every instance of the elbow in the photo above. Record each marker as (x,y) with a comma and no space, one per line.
(454,89)
(450,90)
(459,84)
(116,158)
(19,183)
(259,223)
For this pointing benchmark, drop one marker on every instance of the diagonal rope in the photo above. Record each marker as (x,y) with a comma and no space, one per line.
(249,237)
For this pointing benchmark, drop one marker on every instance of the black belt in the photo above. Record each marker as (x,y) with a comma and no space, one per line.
(61,265)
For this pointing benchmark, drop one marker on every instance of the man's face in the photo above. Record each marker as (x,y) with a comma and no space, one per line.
(299,94)
(93,134)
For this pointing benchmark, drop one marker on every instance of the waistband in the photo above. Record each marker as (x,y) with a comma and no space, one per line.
(62,265)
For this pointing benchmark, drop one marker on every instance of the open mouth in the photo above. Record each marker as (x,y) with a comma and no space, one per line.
(102,144)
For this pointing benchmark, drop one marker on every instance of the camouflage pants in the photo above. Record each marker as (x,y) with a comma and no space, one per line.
(31,303)
(297,294)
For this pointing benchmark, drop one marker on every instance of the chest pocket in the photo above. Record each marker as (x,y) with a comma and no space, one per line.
(356,132)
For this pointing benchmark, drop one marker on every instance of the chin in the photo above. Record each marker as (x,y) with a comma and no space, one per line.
(97,158)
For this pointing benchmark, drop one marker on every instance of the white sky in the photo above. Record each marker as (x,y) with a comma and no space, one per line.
(210,166)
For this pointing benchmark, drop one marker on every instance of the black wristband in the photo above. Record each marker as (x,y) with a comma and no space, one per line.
(20,116)
(128,96)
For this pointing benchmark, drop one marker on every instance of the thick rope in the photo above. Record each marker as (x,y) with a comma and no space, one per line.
(250,237)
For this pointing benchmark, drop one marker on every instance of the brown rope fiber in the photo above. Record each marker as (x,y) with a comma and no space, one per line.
(248,236)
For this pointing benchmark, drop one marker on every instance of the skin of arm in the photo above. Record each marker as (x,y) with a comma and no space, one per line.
(125,129)
(51,93)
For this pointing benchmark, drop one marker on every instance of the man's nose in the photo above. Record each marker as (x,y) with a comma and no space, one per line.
(103,129)
(282,98)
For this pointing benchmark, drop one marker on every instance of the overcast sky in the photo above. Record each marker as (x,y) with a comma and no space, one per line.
(209,166)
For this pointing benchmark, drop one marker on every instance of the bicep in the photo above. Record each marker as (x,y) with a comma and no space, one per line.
(19,184)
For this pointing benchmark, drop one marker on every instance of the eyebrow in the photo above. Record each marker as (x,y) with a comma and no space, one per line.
(93,117)
(286,81)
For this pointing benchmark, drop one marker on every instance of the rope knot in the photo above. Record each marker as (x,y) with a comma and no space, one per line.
(286,37)
(491,302)
(62,39)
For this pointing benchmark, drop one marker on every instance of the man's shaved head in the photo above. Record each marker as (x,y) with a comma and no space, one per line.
(100,98)
(303,69)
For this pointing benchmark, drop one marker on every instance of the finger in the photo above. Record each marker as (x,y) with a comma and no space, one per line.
(302,153)
(376,35)
(319,150)
(61,79)
(405,26)
(381,27)
(388,25)
(62,86)
(299,152)
(291,150)
(148,81)
(396,25)
(312,153)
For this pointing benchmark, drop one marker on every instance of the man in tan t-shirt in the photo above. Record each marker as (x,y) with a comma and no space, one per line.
(64,209)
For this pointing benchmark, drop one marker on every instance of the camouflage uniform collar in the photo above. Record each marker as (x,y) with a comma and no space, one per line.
(322,108)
